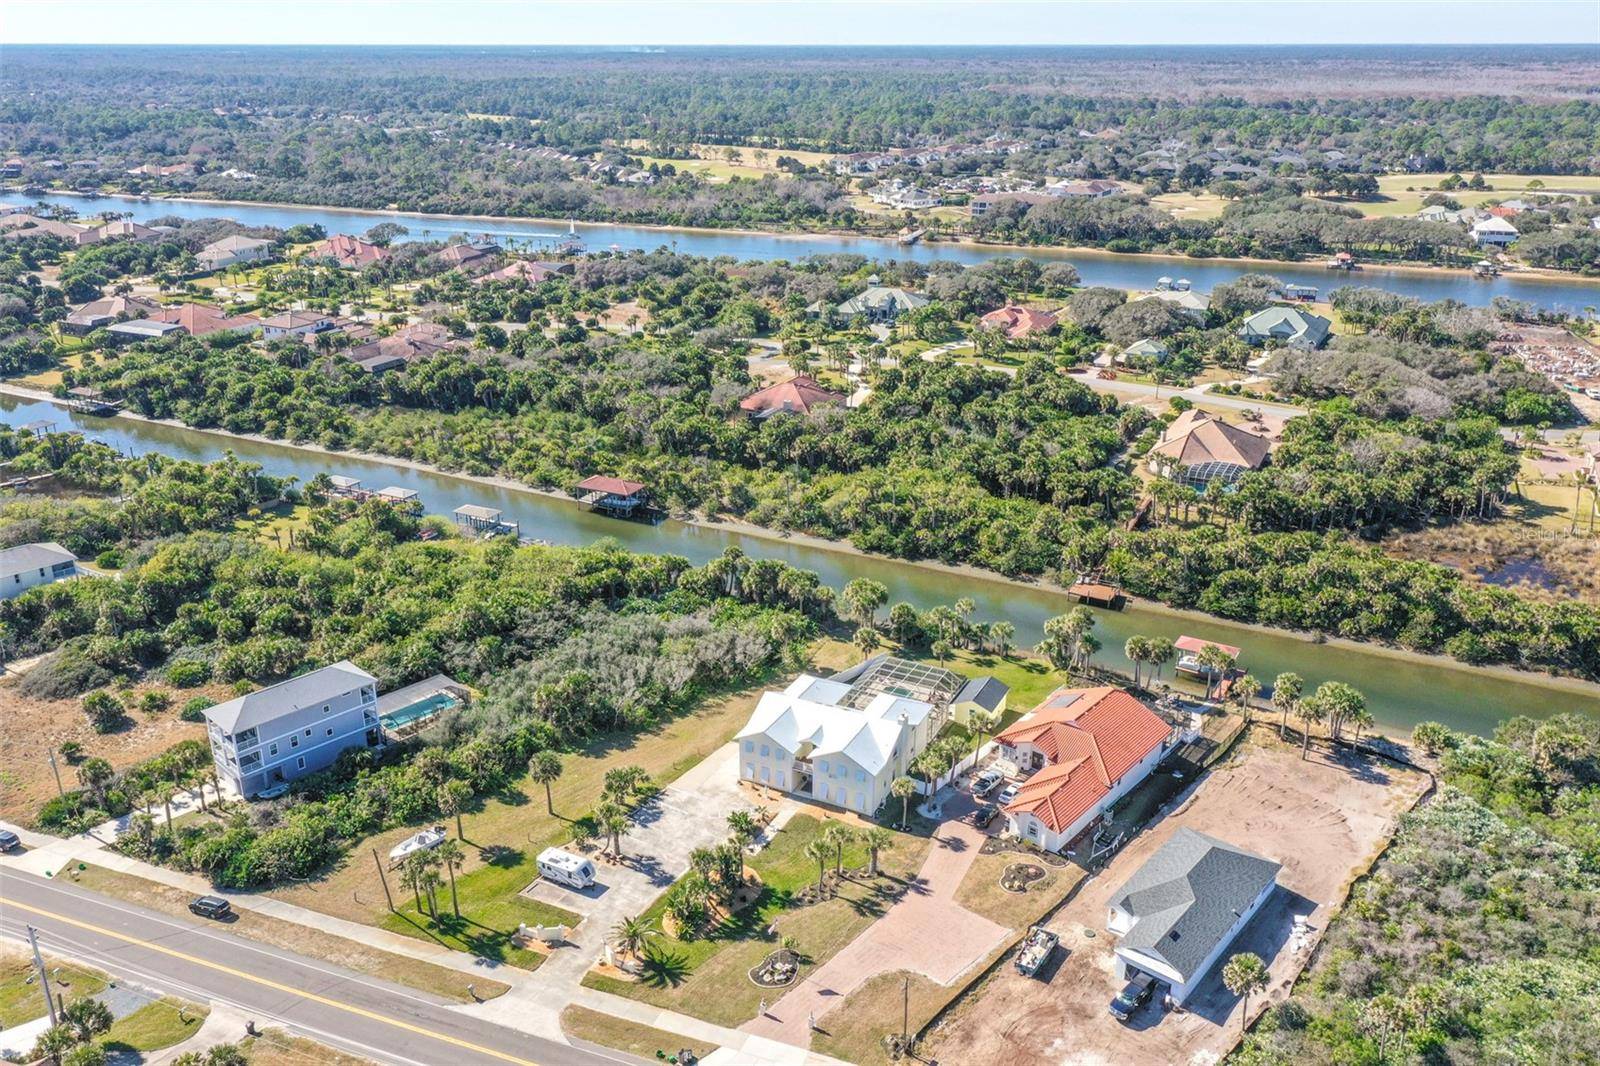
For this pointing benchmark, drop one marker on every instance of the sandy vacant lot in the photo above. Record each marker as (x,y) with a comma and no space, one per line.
(1323,820)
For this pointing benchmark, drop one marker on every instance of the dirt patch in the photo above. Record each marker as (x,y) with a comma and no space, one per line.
(1324,820)
(1543,563)
(34,728)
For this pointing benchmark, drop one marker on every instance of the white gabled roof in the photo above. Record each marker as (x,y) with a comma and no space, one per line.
(33,556)
(286,697)
(803,715)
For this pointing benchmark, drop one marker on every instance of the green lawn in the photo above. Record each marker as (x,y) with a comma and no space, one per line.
(156,1025)
(491,910)
(20,997)
(709,977)
(641,1040)
(1028,676)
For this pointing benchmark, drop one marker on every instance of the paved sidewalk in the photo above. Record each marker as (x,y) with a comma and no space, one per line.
(224,1025)
(926,932)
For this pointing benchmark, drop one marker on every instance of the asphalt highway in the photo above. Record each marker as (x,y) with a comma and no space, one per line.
(201,961)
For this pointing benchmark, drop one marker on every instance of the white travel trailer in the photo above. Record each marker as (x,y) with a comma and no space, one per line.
(565,868)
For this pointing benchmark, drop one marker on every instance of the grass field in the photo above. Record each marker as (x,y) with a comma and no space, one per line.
(581,1023)
(163,1023)
(1188,205)
(1402,194)
(708,977)
(440,980)
(274,1047)
(22,1000)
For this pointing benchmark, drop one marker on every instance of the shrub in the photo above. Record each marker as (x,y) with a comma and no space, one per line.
(71,750)
(195,709)
(104,710)
(187,673)
(111,559)
(155,701)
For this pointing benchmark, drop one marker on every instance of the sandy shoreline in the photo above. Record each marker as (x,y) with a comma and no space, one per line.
(1052,250)
(1558,683)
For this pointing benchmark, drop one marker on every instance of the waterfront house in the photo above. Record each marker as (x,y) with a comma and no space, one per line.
(526,270)
(21,225)
(1177,914)
(1018,323)
(467,255)
(800,395)
(29,565)
(1084,749)
(231,251)
(125,230)
(1493,232)
(1291,326)
(293,728)
(1194,304)
(881,304)
(845,738)
(1198,450)
(979,206)
(97,314)
(349,252)
(980,701)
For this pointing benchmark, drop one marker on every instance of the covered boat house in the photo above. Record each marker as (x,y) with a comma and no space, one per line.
(612,495)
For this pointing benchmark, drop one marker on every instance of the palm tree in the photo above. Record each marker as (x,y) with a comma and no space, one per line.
(1310,711)
(866,640)
(1002,633)
(836,837)
(545,769)
(742,826)
(1137,649)
(1216,663)
(904,788)
(1286,689)
(876,838)
(1245,690)
(1245,973)
(942,650)
(630,935)
(615,823)
(1162,651)
(818,850)
(451,798)
(452,858)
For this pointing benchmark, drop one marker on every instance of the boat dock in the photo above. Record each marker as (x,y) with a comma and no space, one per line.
(486,522)
(612,495)
(89,401)
(1097,593)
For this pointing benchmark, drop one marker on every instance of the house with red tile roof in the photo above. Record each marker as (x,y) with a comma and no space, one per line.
(524,270)
(352,253)
(800,395)
(200,320)
(1085,749)
(1018,322)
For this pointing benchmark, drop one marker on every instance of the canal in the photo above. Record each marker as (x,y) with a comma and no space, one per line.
(1401,690)
(1096,268)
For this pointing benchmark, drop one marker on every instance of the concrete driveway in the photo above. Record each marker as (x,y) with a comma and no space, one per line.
(926,932)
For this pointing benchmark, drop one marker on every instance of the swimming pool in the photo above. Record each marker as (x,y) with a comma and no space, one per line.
(419,711)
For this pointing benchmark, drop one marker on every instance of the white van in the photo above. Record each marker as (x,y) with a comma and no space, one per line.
(565,868)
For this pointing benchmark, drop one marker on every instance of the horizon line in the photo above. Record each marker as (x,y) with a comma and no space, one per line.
(818,44)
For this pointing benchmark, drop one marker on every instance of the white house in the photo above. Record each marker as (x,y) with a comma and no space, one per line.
(293,728)
(1085,749)
(219,255)
(295,324)
(801,740)
(1494,232)
(30,565)
(1176,916)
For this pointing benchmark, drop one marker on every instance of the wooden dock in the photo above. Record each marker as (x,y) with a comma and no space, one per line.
(1097,593)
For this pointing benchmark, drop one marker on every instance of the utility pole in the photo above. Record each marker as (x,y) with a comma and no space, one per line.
(57,771)
(44,978)
(384,881)
(905,1017)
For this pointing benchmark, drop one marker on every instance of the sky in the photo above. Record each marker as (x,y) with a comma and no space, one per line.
(792,22)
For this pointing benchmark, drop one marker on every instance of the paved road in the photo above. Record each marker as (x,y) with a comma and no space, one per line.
(371,1018)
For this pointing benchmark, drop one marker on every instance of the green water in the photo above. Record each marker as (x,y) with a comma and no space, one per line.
(1400,691)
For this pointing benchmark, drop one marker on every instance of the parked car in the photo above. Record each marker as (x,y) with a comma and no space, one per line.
(981,815)
(214,907)
(1007,794)
(1135,994)
(1593,394)
(9,840)
(986,782)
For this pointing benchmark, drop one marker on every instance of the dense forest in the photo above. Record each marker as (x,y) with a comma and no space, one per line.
(1473,940)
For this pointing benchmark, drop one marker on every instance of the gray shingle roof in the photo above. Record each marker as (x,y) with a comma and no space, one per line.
(274,701)
(32,556)
(985,691)
(1186,897)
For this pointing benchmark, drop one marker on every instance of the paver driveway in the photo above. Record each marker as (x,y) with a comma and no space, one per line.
(926,932)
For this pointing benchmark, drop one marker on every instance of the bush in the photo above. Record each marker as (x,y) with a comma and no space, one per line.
(111,559)
(104,710)
(195,709)
(155,701)
(71,750)
(187,673)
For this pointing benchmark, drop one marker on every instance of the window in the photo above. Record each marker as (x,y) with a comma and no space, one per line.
(294,742)
(749,745)
(861,776)
(308,731)
(330,731)
(300,763)
(765,751)
(324,708)
(766,774)
(823,766)
(750,771)
(272,749)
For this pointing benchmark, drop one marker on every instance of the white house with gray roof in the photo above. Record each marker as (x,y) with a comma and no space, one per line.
(294,728)
(1176,916)
(881,303)
(31,565)
(1286,325)
(219,255)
